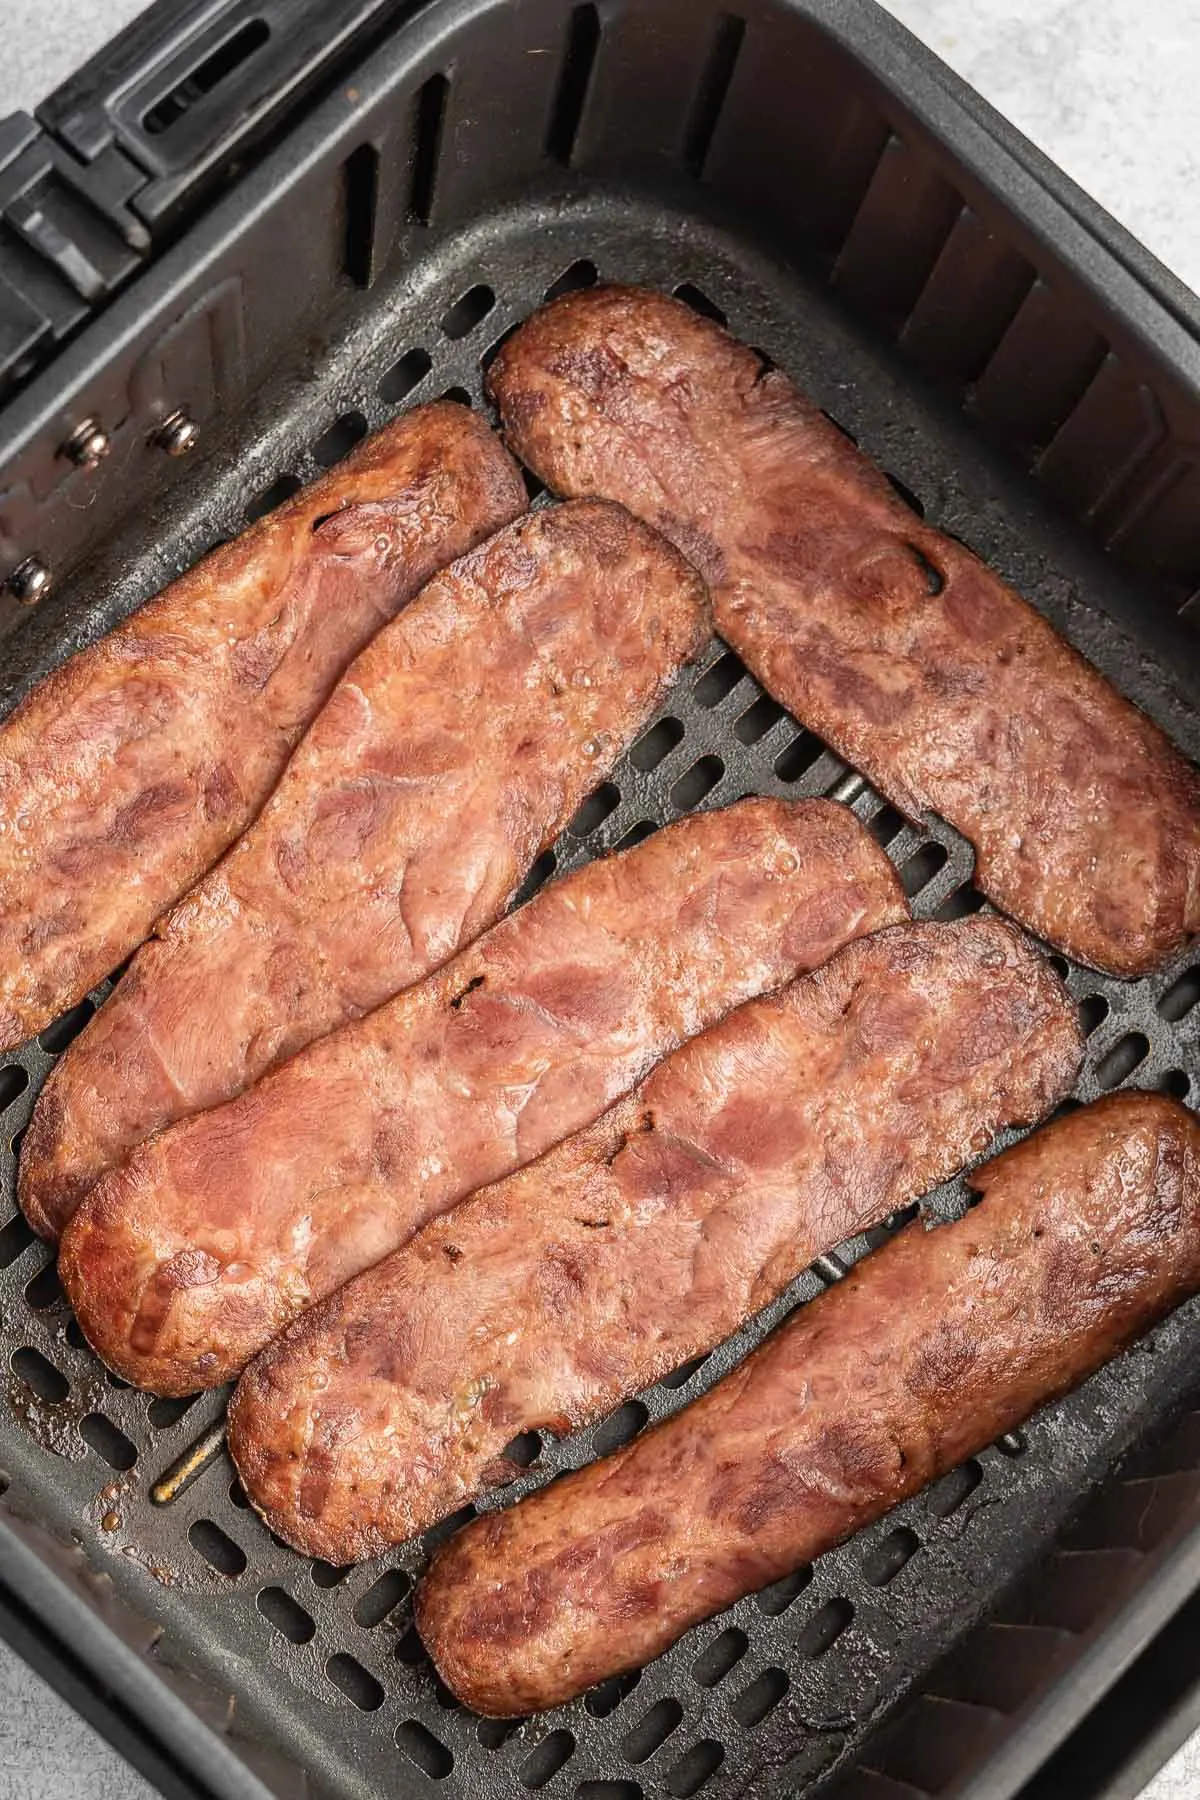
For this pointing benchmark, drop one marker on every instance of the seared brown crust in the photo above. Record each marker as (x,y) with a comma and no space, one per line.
(456,746)
(342,1154)
(128,771)
(930,1350)
(893,642)
(646,1239)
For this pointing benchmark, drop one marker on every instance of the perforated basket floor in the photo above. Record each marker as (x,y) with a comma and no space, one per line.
(316,1671)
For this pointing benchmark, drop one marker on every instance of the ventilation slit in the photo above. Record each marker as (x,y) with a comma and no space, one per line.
(421,1747)
(217,1548)
(207,75)
(546,1759)
(404,376)
(371,1608)
(712,91)
(13,1082)
(429,118)
(47,1382)
(108,1441)
(583,40)
(358,1684)
(286,1615)
(360,176)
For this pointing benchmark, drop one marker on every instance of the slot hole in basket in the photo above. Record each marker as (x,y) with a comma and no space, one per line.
(340,439)
(724,1653)
(286,1615)
(44,1289)
(326,1574)
(217,1548)
(468,311)
(700,303)
(429,118)
(955,1489)
(488,358)
(566,114)
(609,1790)
(757,720)
(1127,1054)
(961,904)
(712,92)
(904,493)
(360,184)
(281,489)
(595,809)
(694,1768)
(606,1696)
(493,1734)
(421,1747)
(652,1730)
(1175,1082)
(64,1031)
(546,1759)
(40,1375)
(884,1562)
(524,1450)
(921,867)
(824,1629)
(1093,1010)
(719,680)
(381,1598)
(168,1410)
(683,1374)
(537,877)
(799,756)
(238,1495)
(637,834)
(779,1596)
(405,375)
(581,274)
(761,1697)
(622,1428)
(655,745)
(108,1441)
(695,783)
(1181,996)
(15,1238)
(358,1684)
(13,1082)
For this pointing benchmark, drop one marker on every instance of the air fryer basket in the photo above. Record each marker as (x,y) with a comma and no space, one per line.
(798,167)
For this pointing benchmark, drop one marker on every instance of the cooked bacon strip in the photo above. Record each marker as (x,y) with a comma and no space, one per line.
(343,1153)
(128,771)
(643,1241)
(456,746)
(901,649)
(932,1348)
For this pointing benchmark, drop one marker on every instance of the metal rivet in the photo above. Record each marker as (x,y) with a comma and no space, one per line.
(30,581)
(88,444)
(177,434)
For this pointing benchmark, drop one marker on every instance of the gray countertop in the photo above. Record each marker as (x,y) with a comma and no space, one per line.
(1108,90)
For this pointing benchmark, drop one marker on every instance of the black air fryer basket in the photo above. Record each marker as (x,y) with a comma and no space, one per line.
(282,222)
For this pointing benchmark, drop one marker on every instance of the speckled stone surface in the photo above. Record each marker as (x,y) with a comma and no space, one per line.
(1109,89)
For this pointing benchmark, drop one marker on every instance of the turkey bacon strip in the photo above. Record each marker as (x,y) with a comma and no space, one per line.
(127,772)
(931,1349)
(451,753)
(889,639)
(340,1155)
(542,1301)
